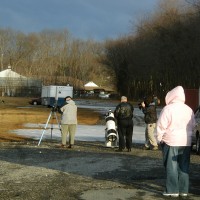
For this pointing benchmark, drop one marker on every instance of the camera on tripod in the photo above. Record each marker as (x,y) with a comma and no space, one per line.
(54,108)
(140,104)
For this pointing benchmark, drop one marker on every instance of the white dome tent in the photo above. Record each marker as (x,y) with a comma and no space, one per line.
(14,84)
(8,73)
(91,84)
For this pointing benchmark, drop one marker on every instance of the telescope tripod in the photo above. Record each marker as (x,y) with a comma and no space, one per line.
(53,112)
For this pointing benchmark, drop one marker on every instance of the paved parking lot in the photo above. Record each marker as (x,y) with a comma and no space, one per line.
(87,172)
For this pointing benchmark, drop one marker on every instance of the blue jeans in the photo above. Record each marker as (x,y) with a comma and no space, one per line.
(176,162)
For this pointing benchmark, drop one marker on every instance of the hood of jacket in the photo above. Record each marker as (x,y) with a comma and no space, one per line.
(175,95)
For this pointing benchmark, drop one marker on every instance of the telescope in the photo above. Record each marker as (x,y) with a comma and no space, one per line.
(111,137)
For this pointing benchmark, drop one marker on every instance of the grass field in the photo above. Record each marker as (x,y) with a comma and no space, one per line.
(16,111)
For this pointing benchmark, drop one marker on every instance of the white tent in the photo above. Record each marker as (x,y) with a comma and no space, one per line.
(14,84)
(91,84)
(8,73)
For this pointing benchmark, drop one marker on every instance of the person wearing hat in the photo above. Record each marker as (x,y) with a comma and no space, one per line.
(68,122)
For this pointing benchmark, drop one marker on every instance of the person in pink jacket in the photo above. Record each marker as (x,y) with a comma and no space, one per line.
(174,132)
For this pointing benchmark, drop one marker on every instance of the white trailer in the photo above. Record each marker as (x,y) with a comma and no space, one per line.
(53,95)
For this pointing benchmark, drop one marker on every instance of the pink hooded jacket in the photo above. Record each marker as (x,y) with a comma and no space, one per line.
(176,121)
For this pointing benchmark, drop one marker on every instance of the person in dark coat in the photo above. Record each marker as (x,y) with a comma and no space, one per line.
(150,118)
(124,116)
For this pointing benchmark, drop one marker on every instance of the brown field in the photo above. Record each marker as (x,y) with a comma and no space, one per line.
(16,111)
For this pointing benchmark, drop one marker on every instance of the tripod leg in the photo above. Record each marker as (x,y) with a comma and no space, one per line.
(45,128)
(57,122)
(52,127)
(51,130)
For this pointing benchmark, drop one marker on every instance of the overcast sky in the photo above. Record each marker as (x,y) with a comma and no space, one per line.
(84,19)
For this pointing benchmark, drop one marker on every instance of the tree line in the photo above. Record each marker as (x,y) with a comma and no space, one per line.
(55,57)
(160,53)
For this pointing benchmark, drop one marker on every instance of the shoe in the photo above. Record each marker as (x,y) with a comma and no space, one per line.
(61,146)
(146,148)
(129,150)
(71,146)
(155,148)
(170,194)
(183,194)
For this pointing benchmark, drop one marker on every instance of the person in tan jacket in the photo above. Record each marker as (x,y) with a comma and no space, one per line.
(68,122)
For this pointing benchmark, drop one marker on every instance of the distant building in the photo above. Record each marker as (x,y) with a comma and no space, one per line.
(90,86)
(91,89)
(14,84)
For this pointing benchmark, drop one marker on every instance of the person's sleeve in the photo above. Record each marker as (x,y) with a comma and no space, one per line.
(116,112)
(132,107)
(61,109)
(162,125)
(144,110)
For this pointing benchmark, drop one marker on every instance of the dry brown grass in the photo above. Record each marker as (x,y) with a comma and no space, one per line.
(15,112)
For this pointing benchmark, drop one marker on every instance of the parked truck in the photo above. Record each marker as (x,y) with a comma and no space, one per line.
(53,95)
(192,98)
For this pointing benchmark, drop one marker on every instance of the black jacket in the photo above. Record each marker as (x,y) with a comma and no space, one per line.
(150,114)
(124,111)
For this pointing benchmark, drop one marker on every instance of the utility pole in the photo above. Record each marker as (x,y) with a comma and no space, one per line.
(2,62)
(2,45)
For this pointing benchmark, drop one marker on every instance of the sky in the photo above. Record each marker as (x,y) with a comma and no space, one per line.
(84,19)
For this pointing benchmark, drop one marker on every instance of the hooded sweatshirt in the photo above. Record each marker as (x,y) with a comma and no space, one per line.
(69,113)
(176,121)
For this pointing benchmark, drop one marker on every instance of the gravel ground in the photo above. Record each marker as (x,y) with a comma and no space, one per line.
(87,172)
